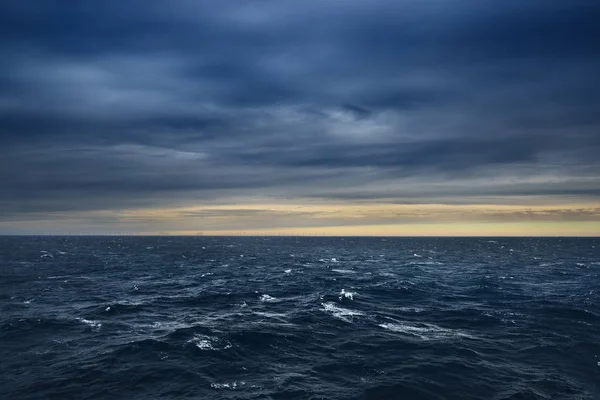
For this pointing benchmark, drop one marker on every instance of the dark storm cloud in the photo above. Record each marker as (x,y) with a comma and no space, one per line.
(109,105)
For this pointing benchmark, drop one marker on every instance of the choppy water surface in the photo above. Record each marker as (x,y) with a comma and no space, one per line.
(299,318)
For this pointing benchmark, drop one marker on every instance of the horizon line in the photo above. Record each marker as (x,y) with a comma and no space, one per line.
(286,235)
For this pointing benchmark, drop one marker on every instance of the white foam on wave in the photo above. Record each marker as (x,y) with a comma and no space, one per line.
(28,301)
(166,325)
(232,385)
(268,299)
(413,310)
(343,271)
(287,271)
(347,295)
(550,264)
(425,331)
(429,263)
(93,324)
(133,302)
(341,313)
(204,342)
(270,315)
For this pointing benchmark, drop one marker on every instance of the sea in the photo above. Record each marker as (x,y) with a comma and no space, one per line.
(121,317)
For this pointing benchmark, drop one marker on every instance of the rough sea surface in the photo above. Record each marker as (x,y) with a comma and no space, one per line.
(299,318)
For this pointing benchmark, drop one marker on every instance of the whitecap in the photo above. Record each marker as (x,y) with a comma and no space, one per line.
(413,310)
(347,295)
(339,312)
(429,263)
(28,301)
(334,259)
(204,342)
(343,271)
(550,264)
(232,385)
(160,326)
(424,331)
(278,316)
(93,324)
(267,299)
(133,302)
(416,255)
(287,271)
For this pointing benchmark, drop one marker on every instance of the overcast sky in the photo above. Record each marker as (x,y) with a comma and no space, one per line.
(324,116)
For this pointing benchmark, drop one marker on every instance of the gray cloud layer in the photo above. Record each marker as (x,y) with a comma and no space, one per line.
(112,104)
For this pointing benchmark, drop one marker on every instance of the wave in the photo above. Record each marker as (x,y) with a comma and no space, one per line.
(425,331)
(273,326)
(231,386)
(347,295)
(206,343)
(265,298)
(91,323)
(344,314)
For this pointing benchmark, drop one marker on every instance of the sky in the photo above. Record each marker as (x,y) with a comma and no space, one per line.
(333,117)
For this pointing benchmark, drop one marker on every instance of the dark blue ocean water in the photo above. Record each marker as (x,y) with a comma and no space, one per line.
(299,318)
